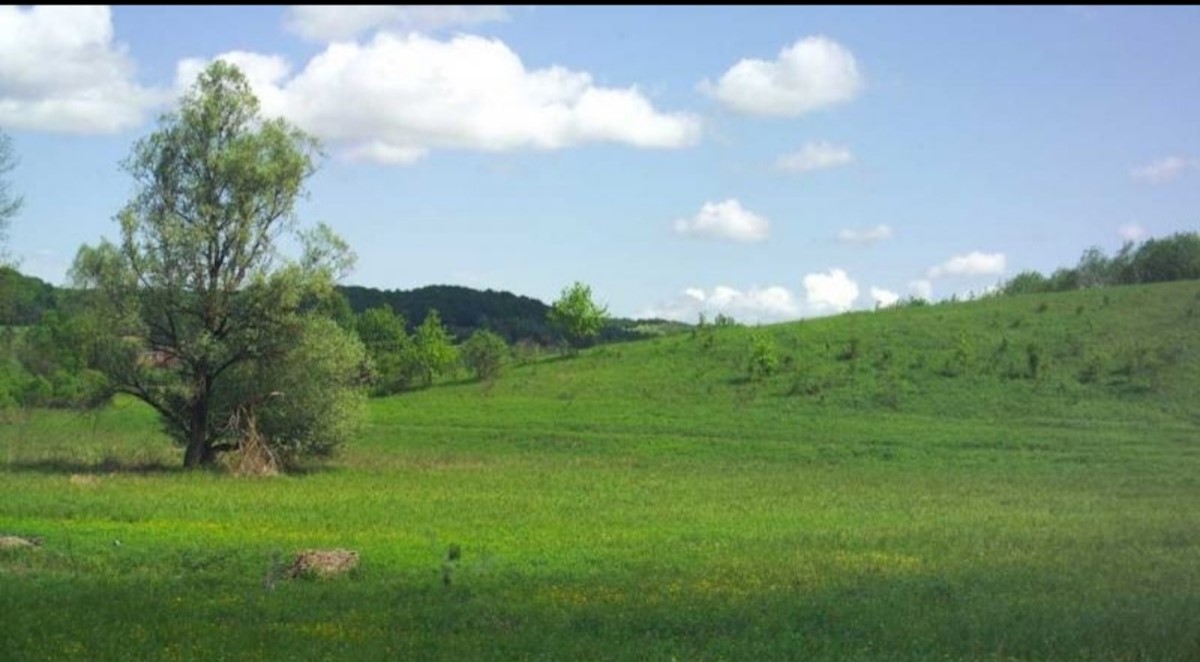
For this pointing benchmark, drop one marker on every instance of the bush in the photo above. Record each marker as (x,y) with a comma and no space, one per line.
(306,404)
(1026,282)
(851,352)
(764,357)
(1093,368)
(1033,359)
(483,354)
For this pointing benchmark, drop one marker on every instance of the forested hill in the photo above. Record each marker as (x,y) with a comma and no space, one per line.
(23,298)
(462,309)
(514,317)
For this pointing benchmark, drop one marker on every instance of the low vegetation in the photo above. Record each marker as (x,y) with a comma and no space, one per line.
(903,485)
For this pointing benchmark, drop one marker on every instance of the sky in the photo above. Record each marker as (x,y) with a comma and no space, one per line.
(769,163)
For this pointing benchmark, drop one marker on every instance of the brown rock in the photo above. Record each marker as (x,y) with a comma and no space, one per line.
(323,563)
(17,542)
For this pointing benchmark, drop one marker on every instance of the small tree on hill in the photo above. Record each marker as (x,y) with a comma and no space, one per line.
(764,357)
(576,316)
(433,351)
(383,333)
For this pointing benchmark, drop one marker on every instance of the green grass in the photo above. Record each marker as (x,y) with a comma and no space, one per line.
(648,501)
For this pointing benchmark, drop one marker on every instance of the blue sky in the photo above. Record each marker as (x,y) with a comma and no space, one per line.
(769,162)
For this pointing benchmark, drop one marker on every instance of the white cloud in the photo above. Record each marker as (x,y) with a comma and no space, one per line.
(813,73)
(345,22)
(883,298)
(774,301)
(921,288)
(397,97)
(768,304)
(61,71)
(725,220)
(865,235)
(971,264)
(824,293)
(815,156)
(830,291)
(1132,232)
(1164,170)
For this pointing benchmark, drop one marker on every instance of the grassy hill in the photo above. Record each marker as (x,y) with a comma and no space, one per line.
(909,484)
(1115,355)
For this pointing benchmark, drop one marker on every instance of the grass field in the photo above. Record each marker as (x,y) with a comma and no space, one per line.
(909,485)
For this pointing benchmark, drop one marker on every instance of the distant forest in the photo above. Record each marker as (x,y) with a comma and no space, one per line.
(1156,260)
(24,300)
(463,310)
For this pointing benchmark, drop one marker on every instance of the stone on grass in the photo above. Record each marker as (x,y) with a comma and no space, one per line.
(17,542)
(323,563)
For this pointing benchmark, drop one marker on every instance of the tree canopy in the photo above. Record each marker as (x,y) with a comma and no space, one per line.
(1155,260)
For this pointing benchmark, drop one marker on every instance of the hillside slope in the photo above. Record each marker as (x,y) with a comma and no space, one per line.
(1115,356)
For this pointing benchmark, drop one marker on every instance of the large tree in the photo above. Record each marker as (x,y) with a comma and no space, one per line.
(207,315)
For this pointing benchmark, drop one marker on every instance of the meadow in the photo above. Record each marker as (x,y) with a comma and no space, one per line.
(1014,478)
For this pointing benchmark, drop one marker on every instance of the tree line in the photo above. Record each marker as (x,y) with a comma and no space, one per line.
(1155,260)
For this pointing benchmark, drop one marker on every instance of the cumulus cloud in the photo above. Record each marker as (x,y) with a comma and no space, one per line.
(813,73)
(767,304)
(774,301)
(1132,232)
(921,288)
(725,220)
(824,293)
(815,156)
(393,99)
(344,22)
(61,71)
(971,264)
(830,291)
(1164,170)
(865,235)
(883,298)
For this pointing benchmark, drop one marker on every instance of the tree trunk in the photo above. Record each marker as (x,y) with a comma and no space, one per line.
(199,450)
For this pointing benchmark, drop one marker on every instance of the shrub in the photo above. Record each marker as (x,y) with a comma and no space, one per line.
(306,405)
(483,354)
(851,352)
(764,357)
(1093,368)
(1033,359)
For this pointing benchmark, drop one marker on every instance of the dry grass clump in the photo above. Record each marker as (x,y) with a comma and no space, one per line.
(323,563)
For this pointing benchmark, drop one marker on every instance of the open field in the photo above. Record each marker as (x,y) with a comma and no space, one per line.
(909,485)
